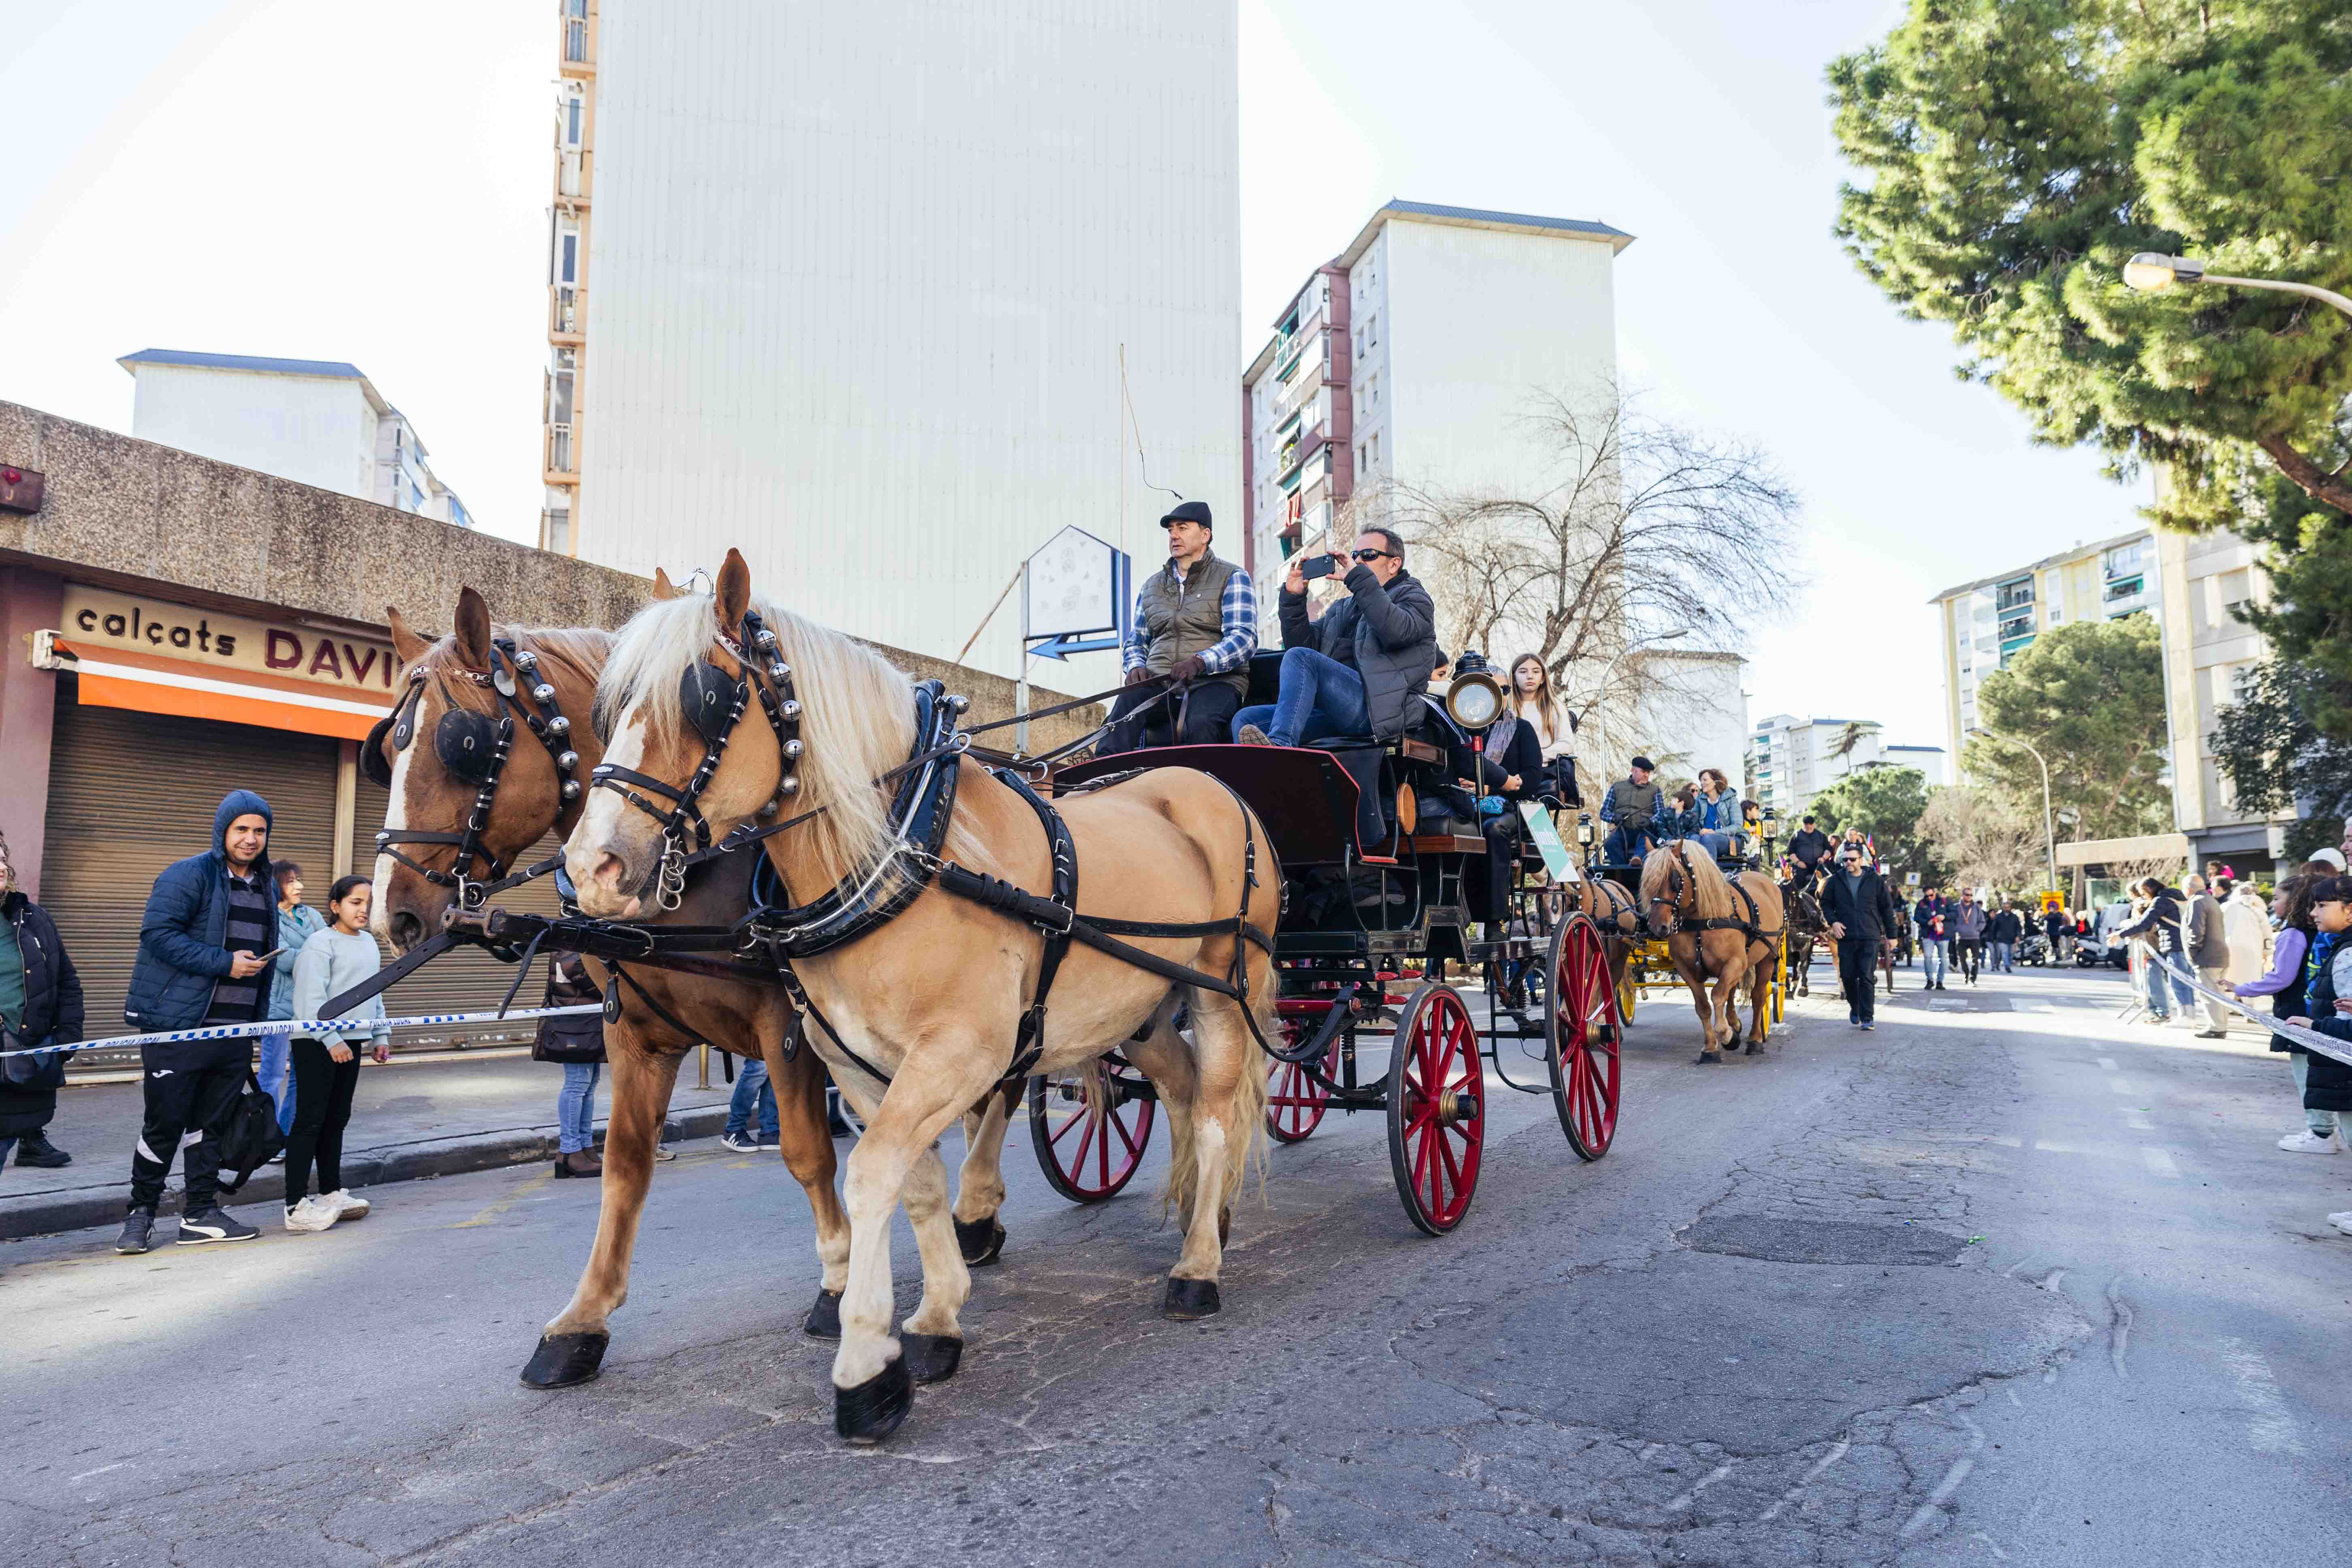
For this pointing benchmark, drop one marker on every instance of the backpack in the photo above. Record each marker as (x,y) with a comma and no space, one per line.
(249,1136)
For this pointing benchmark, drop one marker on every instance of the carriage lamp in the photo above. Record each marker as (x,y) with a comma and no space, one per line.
(1474,699)
(1584,829)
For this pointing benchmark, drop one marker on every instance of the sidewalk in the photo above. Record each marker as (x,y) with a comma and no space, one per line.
(409,1119)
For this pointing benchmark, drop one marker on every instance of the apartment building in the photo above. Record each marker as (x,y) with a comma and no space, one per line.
(1791,760)
(1413,355)
(2209,653)
(318,422)
(1985,623)
(887,295)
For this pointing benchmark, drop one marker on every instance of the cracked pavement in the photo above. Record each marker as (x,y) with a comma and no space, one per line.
(2003,1281)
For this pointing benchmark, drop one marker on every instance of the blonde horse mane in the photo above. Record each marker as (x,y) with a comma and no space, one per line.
(857,714)
(1686,859)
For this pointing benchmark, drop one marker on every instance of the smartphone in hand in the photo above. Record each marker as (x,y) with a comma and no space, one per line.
(1316,566)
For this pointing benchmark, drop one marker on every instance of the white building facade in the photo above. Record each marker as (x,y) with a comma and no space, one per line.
(887,295)
(1791,760)
(1415,355)
(319,422)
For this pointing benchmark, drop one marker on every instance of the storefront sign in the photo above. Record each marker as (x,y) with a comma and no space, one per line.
(101,619)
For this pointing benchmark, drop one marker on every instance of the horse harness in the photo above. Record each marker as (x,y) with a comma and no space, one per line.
(1752,925)
(474,747)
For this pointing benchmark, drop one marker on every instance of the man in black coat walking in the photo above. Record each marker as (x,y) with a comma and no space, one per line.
(1860,916)
(40,1005)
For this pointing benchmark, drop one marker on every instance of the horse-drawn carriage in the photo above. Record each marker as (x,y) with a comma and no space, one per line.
(1367,927)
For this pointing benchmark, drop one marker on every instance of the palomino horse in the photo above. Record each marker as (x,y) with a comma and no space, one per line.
(934,997)
(1611,908)
(1717,931)
(663,1013)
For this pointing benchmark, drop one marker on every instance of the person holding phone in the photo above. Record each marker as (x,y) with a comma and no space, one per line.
(327,1066)
(1352,671)
(1196,621)
(209,923)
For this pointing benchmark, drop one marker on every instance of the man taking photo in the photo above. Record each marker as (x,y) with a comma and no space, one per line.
(1861,917)
(1196,620)
(204,947)
(1353,671)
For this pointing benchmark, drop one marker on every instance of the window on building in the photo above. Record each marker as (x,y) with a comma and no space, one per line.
(1372,330)
(572,108)
(1372,455)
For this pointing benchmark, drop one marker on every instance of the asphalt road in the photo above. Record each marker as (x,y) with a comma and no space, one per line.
(2005,1281)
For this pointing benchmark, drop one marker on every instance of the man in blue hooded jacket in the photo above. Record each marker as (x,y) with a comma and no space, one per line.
(205,945)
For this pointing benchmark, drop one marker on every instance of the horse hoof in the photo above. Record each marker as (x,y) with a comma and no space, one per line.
(823,1319)
(1710,1059)
(875,1408)
(931,1358)
(980,1241)
(1755,1048)
(563,1359)
(1189,1299)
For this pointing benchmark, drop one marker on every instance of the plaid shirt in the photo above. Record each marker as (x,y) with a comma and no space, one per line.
(1236,618)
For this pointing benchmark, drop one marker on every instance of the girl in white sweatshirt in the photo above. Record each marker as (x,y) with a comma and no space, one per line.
(327,1068)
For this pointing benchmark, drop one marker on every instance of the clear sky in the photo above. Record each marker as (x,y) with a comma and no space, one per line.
(370,184)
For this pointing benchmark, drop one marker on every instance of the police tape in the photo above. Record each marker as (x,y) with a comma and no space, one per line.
(308,1026)
(2309,1039)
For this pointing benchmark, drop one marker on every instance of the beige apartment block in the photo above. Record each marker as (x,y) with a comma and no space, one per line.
(2209,653)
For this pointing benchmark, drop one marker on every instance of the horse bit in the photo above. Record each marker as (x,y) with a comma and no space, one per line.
(713,703)
(475,748)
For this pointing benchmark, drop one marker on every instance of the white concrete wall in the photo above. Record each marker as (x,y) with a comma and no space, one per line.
(316,430)
(860,279)
(1704,725)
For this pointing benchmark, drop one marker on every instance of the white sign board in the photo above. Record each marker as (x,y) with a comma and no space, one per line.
(1072,587)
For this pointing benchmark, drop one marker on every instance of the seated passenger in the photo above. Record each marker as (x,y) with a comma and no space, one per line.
(1719,813)
(1355,670)
(1196,619)
(1533,702)
(1492,787)
(1635,809)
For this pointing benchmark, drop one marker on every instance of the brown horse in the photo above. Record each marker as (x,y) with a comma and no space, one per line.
(663,1015)
(927,1006)
(1715,936)
(1612,909)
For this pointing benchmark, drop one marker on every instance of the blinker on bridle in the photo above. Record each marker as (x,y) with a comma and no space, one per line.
(473,747)
(713,703)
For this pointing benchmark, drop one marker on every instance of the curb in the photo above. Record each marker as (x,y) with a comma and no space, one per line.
(45,1214)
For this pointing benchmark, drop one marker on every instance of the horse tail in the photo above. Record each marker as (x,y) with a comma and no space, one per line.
(1249,1097)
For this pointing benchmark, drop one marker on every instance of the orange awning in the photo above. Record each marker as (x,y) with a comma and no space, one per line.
(147,685)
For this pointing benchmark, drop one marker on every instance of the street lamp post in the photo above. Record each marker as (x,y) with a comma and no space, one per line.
(2150,272)
(2049,831)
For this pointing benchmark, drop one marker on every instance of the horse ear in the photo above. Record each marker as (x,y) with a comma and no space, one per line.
(662,587)
(473,633)
(406,645)
(734,590)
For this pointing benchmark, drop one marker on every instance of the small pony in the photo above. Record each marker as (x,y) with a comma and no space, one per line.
(1719,930)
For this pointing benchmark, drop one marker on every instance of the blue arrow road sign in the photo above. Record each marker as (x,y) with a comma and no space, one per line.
(1064,646)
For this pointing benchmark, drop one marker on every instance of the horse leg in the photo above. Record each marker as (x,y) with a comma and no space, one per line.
(808,1148)
(979,1187)
(1228,1124)
(936,1083)
(1711,1053)
(932,1335)
(572,1347)
(1759,1024)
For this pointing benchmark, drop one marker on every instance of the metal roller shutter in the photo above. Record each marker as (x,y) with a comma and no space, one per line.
(130,793)
(466,980)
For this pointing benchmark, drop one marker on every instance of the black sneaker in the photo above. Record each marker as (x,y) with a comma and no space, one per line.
(1868,1025)
(138,1233)
(215,1224)
(38,1151)
(739,1141)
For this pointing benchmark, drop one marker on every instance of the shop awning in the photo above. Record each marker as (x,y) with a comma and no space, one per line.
(112,679)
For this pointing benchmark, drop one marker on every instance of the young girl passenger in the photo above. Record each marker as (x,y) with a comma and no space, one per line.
(327,1068)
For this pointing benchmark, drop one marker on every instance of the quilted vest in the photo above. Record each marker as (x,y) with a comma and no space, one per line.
(1180,622)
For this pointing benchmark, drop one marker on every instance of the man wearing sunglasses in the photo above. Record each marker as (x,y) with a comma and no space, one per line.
(1352,671)
(1195,619)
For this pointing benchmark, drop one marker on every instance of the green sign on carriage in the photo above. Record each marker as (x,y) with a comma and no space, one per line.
(1556,857)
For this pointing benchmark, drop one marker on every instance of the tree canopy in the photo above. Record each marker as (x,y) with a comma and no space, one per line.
(1886,804)
(2090,698)
(2014,154)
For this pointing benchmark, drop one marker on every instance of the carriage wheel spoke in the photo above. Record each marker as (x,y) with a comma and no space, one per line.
(1072,1120)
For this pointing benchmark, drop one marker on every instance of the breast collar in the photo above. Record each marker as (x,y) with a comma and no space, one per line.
(919,811)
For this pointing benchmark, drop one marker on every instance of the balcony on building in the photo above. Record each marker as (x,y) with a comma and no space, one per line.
(577,40)
(567,313)
(561,460)
(2016,626)
(2016,596)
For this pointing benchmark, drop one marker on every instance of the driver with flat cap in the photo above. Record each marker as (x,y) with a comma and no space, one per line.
(1195,619)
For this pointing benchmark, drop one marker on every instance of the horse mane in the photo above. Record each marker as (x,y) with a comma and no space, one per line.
(1710,891)
(857,714)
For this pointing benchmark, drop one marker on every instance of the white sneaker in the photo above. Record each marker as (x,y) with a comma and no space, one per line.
(2309,1142)
(350,1206)
(313,1213)
(2342,1222)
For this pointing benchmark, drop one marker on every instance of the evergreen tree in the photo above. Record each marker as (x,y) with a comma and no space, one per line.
(2090,698)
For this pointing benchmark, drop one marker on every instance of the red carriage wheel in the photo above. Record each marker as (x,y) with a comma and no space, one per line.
(1295,1102)
(1088,1158)
(1437,1108)
(1582,1032)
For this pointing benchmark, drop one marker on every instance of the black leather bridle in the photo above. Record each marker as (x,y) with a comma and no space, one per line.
(474,747)
(714,702)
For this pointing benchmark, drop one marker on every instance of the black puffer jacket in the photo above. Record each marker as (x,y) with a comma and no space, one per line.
(53,1011)
(1394,629)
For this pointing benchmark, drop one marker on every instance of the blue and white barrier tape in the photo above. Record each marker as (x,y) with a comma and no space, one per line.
(2309,1039)
(307,1027)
